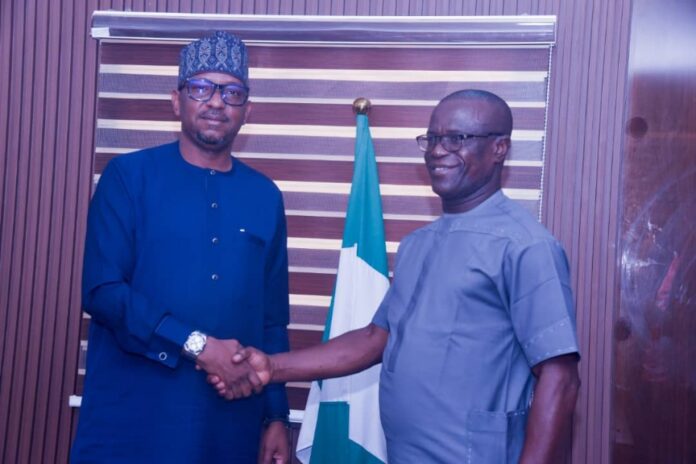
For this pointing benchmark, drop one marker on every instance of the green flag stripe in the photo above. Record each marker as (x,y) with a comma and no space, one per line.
(364,224)
(331,442)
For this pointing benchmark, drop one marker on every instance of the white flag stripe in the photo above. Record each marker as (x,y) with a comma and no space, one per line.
(359,291)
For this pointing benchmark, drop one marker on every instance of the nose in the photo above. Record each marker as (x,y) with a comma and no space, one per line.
(437,151)
(216,99)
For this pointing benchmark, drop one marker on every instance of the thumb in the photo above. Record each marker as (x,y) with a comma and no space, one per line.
(241,356)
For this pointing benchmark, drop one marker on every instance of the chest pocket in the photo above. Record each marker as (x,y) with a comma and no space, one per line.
(242,258)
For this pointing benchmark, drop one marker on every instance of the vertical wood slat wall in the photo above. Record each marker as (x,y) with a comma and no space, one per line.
(301,129)
(45,178)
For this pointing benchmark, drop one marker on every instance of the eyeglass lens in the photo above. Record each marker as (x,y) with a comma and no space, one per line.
(203,90)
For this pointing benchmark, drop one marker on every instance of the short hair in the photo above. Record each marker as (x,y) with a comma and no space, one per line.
(501,108)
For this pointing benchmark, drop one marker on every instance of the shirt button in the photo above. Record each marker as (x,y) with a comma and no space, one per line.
(214,205)
(212,172)
(163,356)
(215,240)
(214,277)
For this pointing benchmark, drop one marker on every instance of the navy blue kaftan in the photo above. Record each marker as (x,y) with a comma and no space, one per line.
(172,248)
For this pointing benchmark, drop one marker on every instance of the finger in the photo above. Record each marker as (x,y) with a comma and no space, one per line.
(243,388)
(236,390)
(241,355)
(255,382)
(266,455)
(213,379)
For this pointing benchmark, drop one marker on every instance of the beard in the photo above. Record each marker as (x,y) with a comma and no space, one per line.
(214,143)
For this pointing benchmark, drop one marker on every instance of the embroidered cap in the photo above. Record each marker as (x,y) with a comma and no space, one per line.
(220,52)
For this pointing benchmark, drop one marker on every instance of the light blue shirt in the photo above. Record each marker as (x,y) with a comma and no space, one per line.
(478,298)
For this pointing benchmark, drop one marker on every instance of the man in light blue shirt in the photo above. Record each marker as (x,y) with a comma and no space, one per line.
(477,332)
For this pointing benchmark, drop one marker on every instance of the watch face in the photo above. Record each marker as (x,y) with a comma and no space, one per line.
(195,343)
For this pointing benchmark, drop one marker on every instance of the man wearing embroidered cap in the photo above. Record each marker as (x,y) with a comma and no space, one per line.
(185,254)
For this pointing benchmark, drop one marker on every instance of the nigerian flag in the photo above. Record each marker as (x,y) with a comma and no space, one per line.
(341,421)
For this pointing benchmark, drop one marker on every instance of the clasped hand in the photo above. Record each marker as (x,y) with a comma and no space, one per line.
(246,371)
(229,369)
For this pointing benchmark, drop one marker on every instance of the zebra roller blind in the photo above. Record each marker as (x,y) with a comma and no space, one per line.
(305,72)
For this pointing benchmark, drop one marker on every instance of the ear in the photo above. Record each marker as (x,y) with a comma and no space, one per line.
(175,103)
(247,112)
(501,148)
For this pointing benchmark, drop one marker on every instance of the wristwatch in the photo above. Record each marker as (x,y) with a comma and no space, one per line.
(195,344)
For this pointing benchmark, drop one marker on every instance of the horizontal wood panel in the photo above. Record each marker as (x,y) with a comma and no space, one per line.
(297,397)
(356,58)
(331,227)
(433,91)
(304,338)
(400,174)
(311,283)
(298,113)
(521,150)
(309,314)
(428,206)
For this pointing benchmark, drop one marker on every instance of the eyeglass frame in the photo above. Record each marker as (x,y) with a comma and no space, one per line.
(216,88)
(460,137)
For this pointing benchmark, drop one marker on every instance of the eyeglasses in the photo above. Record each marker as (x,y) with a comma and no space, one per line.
(202,90)
(450,142)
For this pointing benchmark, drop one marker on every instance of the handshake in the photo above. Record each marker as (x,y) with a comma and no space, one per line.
(233,370)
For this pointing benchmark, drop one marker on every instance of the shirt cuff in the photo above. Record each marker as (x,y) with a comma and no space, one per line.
(276,403)
(170,335)
(555,340)
(173,331)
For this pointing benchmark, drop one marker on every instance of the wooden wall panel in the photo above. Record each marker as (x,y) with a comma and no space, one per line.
(655,344)
(45,181)
(582,192)
(45,172)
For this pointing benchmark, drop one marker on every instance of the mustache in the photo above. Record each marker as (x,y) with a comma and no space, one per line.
(214,114)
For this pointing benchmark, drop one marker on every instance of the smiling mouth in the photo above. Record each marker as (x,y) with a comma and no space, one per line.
(440,169)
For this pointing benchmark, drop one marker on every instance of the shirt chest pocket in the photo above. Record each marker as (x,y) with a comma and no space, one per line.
(241,258)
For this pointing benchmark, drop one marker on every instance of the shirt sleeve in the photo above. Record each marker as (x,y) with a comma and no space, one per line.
(381,317)
(276,313)
(138,326)
(541,301)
